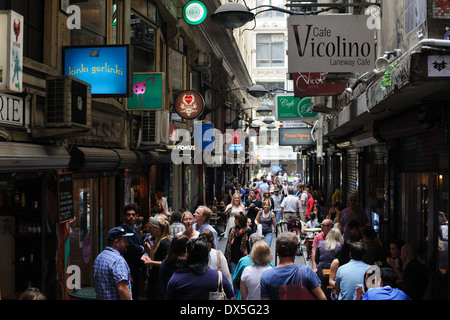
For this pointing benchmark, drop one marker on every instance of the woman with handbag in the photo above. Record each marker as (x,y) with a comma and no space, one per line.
(237,245)
(194,281)
(216,260)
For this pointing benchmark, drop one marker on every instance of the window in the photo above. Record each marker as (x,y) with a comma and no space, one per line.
(93,24)
(143,38)
(271,13)
(270,50)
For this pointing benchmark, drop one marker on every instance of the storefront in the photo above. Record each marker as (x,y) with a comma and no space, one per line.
(26,206)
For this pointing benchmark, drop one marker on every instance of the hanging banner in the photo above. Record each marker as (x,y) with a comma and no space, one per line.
(310,84)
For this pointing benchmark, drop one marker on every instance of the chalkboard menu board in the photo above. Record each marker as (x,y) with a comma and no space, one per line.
(65,196)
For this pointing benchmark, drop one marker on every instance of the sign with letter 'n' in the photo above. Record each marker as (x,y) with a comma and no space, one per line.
(336,43)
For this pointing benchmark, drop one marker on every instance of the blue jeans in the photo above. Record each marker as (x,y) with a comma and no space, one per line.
(268,236)
(277,216)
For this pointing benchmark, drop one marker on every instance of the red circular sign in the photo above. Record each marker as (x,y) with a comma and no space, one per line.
(189,104)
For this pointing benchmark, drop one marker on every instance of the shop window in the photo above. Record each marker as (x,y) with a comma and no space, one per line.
(83,229)
(146,9)
(33,30)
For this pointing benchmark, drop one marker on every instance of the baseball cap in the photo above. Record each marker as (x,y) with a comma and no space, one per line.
(118,232)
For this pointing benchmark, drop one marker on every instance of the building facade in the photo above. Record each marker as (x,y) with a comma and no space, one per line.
(74,152)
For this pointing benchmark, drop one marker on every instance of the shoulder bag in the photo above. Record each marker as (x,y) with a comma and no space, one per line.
(220,293)
(295,291)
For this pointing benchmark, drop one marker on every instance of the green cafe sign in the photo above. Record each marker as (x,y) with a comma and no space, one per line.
(289,107)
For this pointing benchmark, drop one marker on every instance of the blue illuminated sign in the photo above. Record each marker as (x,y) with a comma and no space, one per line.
(104,67)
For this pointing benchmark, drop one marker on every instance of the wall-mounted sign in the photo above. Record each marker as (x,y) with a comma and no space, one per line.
(148,91)
(194,12)
(104,67)
(330,43)
(11,52)
(295,137)
(189,104)
(439,66)
(65,196)
(289,107)
(12,111)
(310,84)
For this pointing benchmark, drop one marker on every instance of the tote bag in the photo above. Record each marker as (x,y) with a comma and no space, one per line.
(296,291)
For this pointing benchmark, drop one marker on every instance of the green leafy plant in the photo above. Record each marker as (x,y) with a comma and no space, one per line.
(387,80)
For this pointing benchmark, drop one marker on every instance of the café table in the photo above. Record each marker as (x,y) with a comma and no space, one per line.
(83,294)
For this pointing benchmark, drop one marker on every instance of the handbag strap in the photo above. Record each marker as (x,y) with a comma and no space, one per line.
(218,259)
(299,276)
(219,285)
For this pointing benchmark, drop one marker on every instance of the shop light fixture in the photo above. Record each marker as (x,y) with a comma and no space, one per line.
(382,63)
(232,15)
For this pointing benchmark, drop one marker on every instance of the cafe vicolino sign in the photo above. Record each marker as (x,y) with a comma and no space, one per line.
(330,43)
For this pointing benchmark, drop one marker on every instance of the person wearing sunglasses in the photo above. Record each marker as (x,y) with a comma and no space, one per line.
(326,226)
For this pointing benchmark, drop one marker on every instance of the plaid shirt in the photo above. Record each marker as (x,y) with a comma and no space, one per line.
(109,269)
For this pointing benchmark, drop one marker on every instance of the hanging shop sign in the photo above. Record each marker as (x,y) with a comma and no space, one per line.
(148,93)
(104,67)
(295,137)
(289,107)
(11,51)
(439,66)
(330,43)
(310,84)
(194,12)
(189,104)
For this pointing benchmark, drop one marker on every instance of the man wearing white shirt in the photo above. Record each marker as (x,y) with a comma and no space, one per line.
(290,206)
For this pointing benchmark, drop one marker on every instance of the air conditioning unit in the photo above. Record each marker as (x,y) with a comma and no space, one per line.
(68,103)
(155,127)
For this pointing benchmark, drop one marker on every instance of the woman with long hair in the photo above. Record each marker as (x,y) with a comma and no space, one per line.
(174,260)
(194,281)
(217,260)
(231,210)
(237,245)
(156,251)
(328,250)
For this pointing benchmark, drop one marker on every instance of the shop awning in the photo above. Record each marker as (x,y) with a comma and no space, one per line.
(99,159)
(15,156)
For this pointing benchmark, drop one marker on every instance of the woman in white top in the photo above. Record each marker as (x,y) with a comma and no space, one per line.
(188,220)
(231,210)
(261,256)
(216,259)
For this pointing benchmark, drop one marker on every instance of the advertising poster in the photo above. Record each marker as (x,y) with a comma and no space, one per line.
(148,93)
(11,55)
(104,67)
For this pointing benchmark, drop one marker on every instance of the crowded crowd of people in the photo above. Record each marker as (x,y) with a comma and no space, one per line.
(177,256)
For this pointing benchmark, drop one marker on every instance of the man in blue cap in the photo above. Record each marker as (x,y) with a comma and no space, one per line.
(112,278)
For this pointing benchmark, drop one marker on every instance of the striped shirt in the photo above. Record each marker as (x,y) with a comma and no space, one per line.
(109,269)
